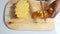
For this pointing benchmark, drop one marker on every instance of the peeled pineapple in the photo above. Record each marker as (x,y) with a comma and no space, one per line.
(22,8)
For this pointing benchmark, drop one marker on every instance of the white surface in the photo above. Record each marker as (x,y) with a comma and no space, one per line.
(5,30)
(57,23)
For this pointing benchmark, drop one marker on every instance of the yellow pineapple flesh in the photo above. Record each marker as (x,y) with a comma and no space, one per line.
(22,8)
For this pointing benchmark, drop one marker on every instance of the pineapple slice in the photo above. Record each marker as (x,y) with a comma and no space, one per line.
(22,8)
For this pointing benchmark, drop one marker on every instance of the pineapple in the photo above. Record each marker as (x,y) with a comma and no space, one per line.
(22,8)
